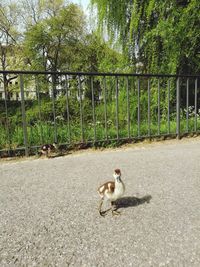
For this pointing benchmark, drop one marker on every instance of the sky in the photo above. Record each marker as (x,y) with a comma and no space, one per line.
(90,17)
(83,3)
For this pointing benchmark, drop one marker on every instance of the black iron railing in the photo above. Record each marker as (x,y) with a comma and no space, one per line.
(89,108)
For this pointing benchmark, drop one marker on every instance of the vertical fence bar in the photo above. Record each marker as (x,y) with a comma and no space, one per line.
(149,109)
(168,106)
(81,108)
(8,137)
(117,106)
(54,109)
(178,108)
(138,87)
(158,106)
(93,110)
(187,106)
(195,106)
(39,108)
(67,108)
(25,133)
(105,106)
(128,107)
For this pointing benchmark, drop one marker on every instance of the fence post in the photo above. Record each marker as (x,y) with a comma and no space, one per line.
(8,139)
(168,105)
(195,106)
(54,107)
(81,108)
(149,108)
(138,115)
(128,108)
(39,108)
(178,108)
(105,107)
(187,106)
(24,116)
(117,106)
(67,108)
(93,109)
(158,106)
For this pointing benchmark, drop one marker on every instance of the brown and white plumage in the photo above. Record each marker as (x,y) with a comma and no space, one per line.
(48,148)
(111,190)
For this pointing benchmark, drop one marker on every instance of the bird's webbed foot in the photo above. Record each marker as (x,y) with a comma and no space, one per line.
(114,209)
(115,212)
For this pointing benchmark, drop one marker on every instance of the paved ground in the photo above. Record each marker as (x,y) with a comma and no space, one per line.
(48,209)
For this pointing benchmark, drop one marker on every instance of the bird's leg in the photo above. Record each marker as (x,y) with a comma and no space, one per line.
(48,153)
(99,209)
(114,209)
(41,153)
(102,213)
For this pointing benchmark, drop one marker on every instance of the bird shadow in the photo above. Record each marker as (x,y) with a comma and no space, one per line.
(129,201)
(59,155)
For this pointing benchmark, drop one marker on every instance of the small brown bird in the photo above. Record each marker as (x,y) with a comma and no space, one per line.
(48,148)
(111,191)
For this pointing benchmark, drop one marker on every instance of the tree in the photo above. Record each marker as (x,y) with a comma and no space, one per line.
(98,56)
(9,42)
(163,35)
(52,43)
(34,11)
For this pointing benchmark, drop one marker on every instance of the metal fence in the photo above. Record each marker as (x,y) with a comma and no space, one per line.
(92,108)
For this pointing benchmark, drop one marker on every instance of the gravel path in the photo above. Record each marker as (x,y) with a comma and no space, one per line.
(49,217)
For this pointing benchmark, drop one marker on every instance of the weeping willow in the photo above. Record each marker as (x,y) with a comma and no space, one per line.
(162,34)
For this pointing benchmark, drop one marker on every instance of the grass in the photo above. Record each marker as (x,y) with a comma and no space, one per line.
(45,133)
(41,129)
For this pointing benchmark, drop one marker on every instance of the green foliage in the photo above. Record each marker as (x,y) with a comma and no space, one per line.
(52,43)
(41,127)
(163,35)
(97,56)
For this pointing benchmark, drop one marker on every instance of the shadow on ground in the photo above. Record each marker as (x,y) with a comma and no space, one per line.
(126,202)
(61,154)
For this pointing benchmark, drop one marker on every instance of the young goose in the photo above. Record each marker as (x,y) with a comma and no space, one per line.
(48,148)
(111,191)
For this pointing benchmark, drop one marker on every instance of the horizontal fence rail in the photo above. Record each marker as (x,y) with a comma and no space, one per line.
(72,108)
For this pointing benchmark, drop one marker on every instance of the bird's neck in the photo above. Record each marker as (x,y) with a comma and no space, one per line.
(119,186)
(118,180)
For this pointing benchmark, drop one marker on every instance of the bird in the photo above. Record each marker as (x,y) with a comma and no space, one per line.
(111,190)
(48,148)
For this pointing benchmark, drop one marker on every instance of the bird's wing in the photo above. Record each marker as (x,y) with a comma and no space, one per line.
(109,186)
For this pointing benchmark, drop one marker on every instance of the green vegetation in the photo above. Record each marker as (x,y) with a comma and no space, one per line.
(163,35)
(42,128)
(132,37)
(150,36)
